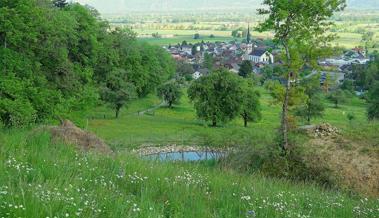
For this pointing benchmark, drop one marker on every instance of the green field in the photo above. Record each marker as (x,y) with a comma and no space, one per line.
(345,39)
(180,125)
(41,179)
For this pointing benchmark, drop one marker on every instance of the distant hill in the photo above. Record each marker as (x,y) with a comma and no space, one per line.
(120,6)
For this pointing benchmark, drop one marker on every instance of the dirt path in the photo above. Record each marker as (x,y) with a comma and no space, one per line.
(151,109)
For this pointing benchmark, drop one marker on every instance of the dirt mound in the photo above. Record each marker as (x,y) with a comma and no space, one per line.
(71,134)
(322,130)
(350,164)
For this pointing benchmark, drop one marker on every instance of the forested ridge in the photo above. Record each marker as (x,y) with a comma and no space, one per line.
(56,58)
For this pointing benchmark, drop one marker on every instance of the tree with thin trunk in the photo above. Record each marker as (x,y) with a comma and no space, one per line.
(298,25)
(170,93)
(117,91)
(250,105)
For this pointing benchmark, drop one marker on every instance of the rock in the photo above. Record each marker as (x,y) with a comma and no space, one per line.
(323,130)
(71,134)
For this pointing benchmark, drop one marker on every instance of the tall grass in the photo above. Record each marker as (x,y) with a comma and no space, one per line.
(40,179)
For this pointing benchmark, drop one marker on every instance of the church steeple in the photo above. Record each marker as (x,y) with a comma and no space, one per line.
(248,37)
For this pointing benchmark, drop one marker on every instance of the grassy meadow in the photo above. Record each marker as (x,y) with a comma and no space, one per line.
(180,125)
(41,179)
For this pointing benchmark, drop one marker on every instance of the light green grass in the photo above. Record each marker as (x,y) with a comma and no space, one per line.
(40,179)
(345,39)
(180,125)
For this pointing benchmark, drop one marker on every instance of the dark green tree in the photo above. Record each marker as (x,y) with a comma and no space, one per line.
(208,61)
(373,100)
(246,68)
(250,105)
(170,92)
(217,97)
(196,36)
(117,91)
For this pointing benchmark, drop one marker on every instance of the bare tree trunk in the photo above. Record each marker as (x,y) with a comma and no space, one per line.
(117,112)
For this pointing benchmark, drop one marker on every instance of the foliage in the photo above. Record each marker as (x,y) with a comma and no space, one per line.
(117,91)
(170,92)
(217,97)
(57,59)
(313,106)
(337,97)
(208,61)
(373,99)
(246,68)
(301,28)
(250,105)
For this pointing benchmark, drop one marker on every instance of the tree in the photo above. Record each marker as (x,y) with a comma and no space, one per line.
(367,39)
(117,91)
(196,36)
(373,100)
(208,61)
(250,105)
(217,97)
(246,68)
(300,27)
(337,97)
(170,93)
(313,106)
(60,3)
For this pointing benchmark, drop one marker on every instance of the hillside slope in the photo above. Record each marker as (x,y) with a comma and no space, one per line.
(40,179)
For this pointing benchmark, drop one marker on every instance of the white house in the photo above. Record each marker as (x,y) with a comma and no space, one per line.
(196,75)
(261,56)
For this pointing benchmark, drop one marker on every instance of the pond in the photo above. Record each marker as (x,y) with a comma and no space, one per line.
(186,156)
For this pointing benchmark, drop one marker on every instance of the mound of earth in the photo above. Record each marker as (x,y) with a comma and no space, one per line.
(322,130)
(71,134)
(350,164)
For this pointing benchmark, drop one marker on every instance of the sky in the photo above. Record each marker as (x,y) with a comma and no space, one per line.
(122,6)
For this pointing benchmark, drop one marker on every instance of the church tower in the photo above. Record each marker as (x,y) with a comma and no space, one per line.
(249,45)
(248,41)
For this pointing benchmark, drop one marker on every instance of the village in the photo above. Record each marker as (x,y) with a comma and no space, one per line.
(230,55)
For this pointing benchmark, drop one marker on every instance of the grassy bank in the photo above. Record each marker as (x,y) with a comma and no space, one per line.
(40,179)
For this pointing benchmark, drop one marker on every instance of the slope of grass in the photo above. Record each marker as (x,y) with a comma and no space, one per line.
(40,179)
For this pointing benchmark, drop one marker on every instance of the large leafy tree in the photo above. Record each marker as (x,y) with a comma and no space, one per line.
(300,27)
(117,91)
(217,97)
(170,92)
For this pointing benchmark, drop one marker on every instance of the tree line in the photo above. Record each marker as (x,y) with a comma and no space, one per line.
(58,57)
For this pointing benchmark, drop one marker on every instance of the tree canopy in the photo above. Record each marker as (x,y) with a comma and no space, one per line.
(54,57)
(217,97)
